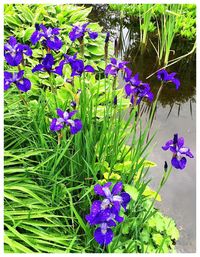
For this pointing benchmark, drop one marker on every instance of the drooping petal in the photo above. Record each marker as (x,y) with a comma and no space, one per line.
(19,75)
(128,89)
(6,85)
(119,218)
(177,83)
(77,68)
(167,145)
(96,206)
(189,154)
(89,68)
(98,189)
(116,207)
(76,127)
(7,80)
(125,199)
(24,85)
(72,36)
(35,37)
(182,163)
(55,31)
(107,69)
(117,188)
(38,67)
(54,44)
(93,35)
(56,125)
(175,163)
(111,223)
(183,150)
(59,70)
(14,60)
(128,74)
(48,62)
(24,49)
(149,96)
(103,238)
(8,75)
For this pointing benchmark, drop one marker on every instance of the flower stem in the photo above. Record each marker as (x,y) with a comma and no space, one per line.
(162,183)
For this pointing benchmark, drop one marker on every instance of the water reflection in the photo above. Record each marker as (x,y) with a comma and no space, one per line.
(146,64)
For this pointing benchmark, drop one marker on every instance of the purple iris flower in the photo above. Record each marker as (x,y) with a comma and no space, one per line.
(47,64)
(176,146)
(77,65)
(65,118)
(138,90)
(106,212)
(51,40)
(78,32)
(13,51)
(115,66)
(163,75)
(104,234)
(18,79)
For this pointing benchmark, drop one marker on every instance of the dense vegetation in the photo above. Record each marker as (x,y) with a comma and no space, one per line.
(52,165)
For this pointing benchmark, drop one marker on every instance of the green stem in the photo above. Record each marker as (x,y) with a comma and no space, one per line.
(162,183)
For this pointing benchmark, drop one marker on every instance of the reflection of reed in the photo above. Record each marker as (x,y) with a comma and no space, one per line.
(146,64)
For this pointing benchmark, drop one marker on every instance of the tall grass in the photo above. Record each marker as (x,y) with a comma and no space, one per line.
(167,29)
(50,176)
(48,185)
(145,16)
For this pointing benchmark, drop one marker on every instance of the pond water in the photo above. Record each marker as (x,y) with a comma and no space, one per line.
(176,113)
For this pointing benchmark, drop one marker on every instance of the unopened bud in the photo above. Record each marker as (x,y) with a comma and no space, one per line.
(165,166)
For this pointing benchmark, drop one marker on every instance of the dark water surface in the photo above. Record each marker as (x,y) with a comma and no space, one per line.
(176,113)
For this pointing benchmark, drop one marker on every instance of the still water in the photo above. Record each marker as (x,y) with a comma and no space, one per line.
(176,113)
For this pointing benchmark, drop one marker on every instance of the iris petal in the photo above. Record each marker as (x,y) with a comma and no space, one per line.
(98,189)
(24,85)
(76,127)
(117,188)
(103,239)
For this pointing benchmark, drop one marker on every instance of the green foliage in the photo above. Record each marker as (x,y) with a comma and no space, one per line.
(49,177)
(186,19)
(167,21)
